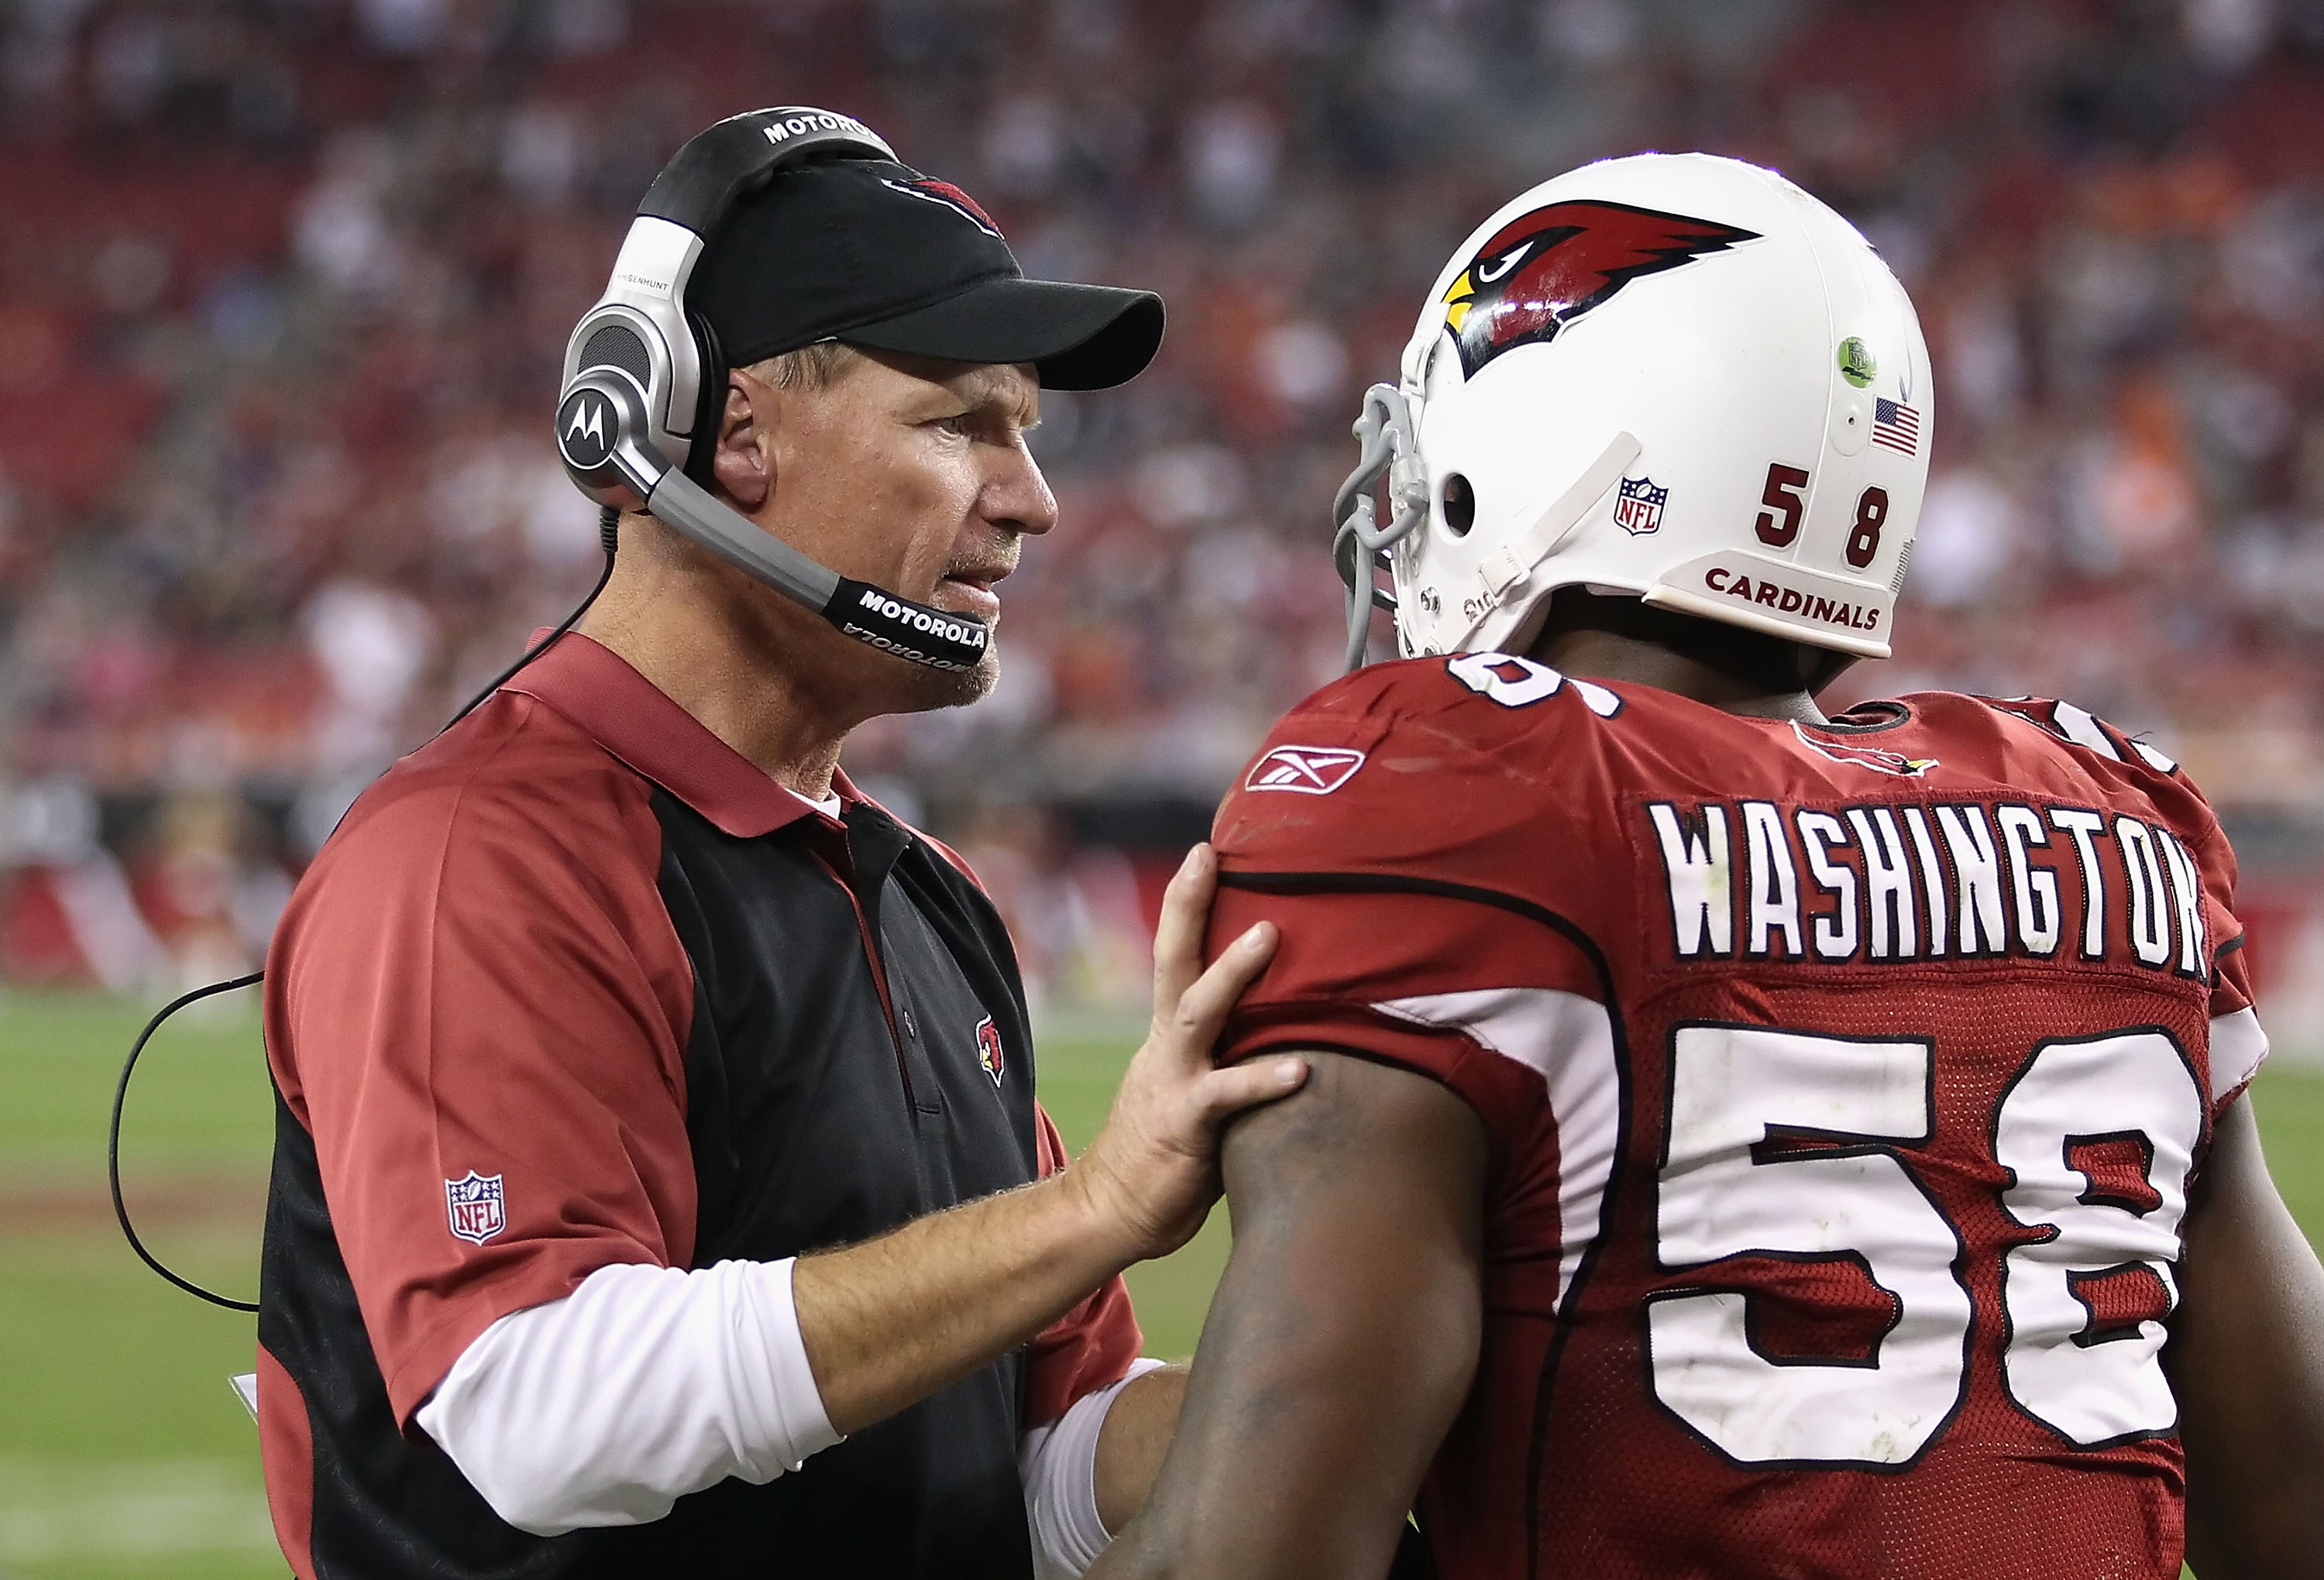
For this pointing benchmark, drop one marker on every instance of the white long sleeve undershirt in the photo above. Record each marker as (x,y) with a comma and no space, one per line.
(646,1384)
(642,1385)
(1058,1462)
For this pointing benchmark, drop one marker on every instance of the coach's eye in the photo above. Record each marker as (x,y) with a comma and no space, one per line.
(1460,502)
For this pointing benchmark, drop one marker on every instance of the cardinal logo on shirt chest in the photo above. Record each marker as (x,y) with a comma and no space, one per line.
(476,1207)
(990,1058)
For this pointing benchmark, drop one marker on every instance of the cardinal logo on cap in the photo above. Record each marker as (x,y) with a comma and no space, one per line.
(929,190)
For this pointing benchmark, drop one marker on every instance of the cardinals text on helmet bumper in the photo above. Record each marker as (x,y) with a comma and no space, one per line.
(1782,599)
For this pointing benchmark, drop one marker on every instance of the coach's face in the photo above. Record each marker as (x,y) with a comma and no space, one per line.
(906,472)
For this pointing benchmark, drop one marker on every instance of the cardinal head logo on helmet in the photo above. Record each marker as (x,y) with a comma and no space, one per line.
(1546,268)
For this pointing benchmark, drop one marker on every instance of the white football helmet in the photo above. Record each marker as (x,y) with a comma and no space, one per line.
(1674,375)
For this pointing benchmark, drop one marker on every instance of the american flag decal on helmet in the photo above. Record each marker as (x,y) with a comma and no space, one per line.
(1896,425)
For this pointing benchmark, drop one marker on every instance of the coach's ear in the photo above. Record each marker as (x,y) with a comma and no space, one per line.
(744,463)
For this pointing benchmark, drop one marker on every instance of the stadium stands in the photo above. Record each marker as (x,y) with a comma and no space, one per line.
(283,284)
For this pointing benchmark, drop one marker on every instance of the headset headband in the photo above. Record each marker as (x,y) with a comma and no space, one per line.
(639,325)
(720,167)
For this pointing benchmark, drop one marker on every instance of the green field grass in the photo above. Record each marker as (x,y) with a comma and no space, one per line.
(122,1453)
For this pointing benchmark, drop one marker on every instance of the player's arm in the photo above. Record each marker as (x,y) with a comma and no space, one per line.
(2247,1361)
(1341,1341)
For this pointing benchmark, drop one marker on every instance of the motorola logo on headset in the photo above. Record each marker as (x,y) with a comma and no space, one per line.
(585,429)
(902,612)
(785,127)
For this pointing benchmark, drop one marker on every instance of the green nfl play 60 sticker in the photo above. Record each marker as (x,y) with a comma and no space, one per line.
(1857,363)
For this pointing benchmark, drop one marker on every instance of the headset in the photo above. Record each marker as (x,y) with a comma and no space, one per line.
(645,382)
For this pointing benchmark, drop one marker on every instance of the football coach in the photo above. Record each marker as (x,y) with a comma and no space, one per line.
(658,1188)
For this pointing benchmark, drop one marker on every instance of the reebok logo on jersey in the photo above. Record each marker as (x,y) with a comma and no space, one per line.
(1866,757)
(477,1206)
(1307,770)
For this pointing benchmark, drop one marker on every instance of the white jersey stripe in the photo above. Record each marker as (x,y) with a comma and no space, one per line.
(2078,727)
(1568,1041)
(2239,1047)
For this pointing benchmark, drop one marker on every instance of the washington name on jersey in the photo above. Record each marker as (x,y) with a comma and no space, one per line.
(1869,883)
(1843,1085)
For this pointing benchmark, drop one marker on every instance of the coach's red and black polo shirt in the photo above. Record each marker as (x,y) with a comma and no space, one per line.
(576,985)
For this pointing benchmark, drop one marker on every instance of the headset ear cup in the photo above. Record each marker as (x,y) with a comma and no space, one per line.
(709,401)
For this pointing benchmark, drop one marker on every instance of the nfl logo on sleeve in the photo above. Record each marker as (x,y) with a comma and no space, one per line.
(475,1204)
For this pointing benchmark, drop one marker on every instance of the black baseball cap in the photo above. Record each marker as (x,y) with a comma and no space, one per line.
(874,253)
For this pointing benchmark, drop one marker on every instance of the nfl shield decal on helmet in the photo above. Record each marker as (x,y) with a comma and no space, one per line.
(476,1207)
(1638,506)
(990,1058)
(1306,770)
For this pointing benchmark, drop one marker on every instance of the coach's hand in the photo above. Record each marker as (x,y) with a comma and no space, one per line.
(895,1318)
(1152,1172)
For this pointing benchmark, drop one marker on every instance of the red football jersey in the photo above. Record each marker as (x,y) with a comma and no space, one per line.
(1843,1085)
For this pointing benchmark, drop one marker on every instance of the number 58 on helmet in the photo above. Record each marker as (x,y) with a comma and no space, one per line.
(1675,376)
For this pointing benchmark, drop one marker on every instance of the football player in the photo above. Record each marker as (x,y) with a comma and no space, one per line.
(1741,1142)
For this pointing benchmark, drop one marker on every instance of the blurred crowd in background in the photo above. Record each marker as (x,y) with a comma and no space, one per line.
(284,285)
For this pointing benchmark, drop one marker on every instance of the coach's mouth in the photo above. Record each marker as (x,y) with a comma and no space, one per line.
(968,589)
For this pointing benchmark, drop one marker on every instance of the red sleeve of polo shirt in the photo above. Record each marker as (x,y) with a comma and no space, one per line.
(478,977)
(1091,1345)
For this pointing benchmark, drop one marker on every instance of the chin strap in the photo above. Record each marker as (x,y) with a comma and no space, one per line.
(1508,569)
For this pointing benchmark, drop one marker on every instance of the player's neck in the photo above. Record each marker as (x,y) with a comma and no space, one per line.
(1594,655)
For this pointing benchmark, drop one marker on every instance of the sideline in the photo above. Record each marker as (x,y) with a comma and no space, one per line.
(50,1511)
